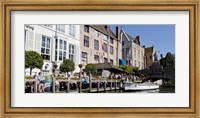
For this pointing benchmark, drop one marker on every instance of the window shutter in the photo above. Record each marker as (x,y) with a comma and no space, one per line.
(30,40)
(38,41)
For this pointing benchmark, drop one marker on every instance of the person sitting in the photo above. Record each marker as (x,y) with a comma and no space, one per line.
(41,82)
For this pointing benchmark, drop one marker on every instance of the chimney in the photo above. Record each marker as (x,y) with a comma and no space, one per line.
(107,27)
(117,31)
(138,39)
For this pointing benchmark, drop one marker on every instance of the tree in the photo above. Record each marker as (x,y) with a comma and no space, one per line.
(90,68)
(127,69)
(136,71)
(33,60)
(67,66)
(168,61)
(55,66)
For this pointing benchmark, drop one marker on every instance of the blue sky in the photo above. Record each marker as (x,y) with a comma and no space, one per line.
(161,36)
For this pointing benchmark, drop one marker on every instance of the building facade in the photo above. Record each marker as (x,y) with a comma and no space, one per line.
(99,45)
(55,43)
(132,52)
(149,56)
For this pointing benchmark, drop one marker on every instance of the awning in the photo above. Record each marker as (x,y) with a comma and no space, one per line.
(108,66)
(122,62)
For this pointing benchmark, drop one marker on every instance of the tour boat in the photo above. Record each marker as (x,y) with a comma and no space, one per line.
(140,86)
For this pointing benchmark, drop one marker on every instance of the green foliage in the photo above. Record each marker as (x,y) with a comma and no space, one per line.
(90,68)
(127,69)
(33,60)
(29,77)
(136,71)
(67,66)
(168,61)
(55,66)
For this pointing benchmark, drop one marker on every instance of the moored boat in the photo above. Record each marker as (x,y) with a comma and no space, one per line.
(140,86)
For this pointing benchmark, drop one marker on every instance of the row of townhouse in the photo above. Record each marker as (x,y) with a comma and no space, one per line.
(83,44)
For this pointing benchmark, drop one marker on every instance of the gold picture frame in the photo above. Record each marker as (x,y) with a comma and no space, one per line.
(154,5)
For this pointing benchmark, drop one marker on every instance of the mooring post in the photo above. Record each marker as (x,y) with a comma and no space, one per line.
(111,85)
(35,86)
(115,85)
(104,86)
(80,87)
(53,85)
(68,86)
(90,86)
(97,86)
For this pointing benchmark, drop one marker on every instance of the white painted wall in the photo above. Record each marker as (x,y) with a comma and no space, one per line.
(40,30)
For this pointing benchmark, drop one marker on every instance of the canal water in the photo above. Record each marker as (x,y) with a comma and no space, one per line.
(160,90)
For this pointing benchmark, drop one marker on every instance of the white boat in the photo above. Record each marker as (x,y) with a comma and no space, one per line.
(140,86)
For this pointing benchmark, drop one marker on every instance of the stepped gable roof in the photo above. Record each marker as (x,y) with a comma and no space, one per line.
(132,39)
(102,29)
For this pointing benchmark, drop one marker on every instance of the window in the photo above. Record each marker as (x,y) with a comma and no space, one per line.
(45,48)
(56,45)
(72,30)
(96,33)
(84,58)
(49,26)
(122,50)
(86,28)
(139,54)
(96,44)
(111,61)
(61,28)
(105,48)
(61,44)
(71,51)
(111,49)
(62,51)
(65,45)
(142,65)
(135,63)
(105,60)
(134,51)
(111,40)
(84,55)
(105,37)
(25,38)
(127,52)
(138,64)
(86,41)
(60,55)
(96,58)
(122,43)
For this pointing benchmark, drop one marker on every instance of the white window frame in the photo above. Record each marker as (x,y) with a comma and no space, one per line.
(60,48)
(61,28)
(71,52)
(72,30)
(45,46)
(95,46)
(111,51)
